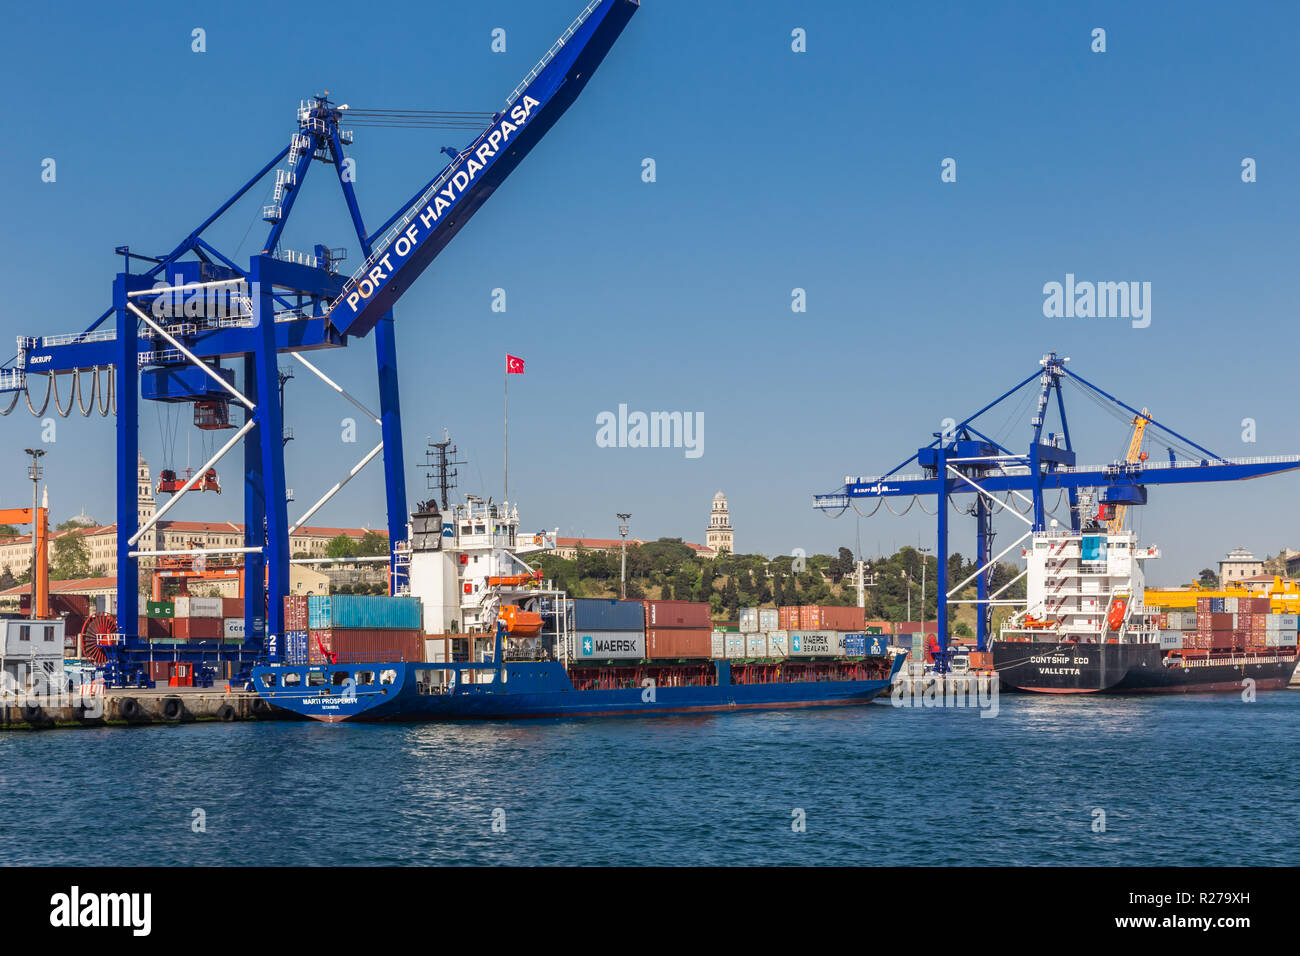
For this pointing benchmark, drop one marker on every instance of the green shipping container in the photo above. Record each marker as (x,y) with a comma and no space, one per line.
(160,609)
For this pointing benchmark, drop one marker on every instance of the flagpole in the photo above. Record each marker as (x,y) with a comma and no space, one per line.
(505,441)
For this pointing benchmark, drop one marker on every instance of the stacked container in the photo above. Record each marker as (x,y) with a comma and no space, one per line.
(679,630)
(356,628)
(604,629)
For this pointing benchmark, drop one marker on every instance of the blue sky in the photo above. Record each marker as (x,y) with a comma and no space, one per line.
(775,171)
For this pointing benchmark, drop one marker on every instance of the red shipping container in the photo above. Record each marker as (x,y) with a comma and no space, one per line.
(788,617)
(365,645)
(197,628)
(1220,621)
(234,607)
(907,627)
(319,643)
(679,642)
(677,614)
(155,628)
(295,612)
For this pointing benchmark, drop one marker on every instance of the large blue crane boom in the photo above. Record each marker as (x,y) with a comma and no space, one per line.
(285,301)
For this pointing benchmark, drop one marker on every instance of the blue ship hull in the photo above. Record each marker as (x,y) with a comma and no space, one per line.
(400,691)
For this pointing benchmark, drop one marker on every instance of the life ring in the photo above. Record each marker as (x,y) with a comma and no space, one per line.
(1116,617)
(226,713)
(129,708)
(172,708)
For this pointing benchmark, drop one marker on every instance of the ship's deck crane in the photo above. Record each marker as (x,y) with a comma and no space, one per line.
(40,522)
(1117,513)
(964,460)
(285,301)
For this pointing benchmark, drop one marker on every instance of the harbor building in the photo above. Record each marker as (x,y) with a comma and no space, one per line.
(1239,564)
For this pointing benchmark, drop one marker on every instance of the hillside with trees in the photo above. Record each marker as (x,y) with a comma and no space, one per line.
(668,569)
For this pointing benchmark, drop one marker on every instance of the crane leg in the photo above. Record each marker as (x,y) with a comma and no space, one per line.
(390,418)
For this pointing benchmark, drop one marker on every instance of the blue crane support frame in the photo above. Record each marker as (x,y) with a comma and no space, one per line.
(299,303)
(964,460)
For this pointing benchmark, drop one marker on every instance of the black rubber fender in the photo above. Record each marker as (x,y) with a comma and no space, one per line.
(261,706)
(129,708)
(171,708)
(32,713)
(226,713)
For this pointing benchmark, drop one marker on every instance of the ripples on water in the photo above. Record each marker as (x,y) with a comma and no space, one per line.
(1182,780)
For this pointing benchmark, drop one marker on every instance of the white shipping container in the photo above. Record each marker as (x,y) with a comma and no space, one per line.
(749,620)
(1281,622)
(1231,605)
(718,645)
(1280,639)
(1171,640)
(816,644)
(769,619)
(607,646)
(190,606)
(778,643)
(755,645)
(735,645)
(233,627)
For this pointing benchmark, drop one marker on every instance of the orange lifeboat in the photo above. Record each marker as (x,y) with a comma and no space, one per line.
(520,623)
(514,580)
(1116,617)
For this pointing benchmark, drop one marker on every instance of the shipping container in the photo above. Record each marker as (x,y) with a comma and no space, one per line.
(232,607)
(735,645)
(368,612)
(673,643)
(233,628)
(607,645)
(190,606)
(855,645)
(787,617)
(606,614)
(778,643)
(319,645)
(749,620)
(677,614)
(295,647)
(1281,622)
(198,628)
(295,613)
(718,644)
(373,645)
(769,619)
(756,645)
(160,609)
(814,644)
(1171,640)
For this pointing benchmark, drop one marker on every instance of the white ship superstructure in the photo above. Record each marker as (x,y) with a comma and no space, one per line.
(1084,586)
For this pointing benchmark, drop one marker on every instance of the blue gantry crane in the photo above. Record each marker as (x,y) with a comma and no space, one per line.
(183,326)
(963,460)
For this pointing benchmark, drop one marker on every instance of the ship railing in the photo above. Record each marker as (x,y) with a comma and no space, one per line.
(550,54)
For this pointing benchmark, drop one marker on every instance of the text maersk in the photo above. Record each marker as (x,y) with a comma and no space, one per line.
(442,200)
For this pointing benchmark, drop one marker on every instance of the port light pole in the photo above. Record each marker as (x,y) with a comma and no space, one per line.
(35,473)
(924,559)
(622,571)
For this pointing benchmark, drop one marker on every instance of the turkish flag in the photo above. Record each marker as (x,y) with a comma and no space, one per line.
(514,366)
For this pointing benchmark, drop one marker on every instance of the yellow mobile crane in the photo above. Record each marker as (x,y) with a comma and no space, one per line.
(1115,519)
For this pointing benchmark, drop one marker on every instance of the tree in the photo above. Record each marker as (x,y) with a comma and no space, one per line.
(341,547)
(1207,579)
(7,579)
(73,522)
(8,530)
(70,559)
(372,544)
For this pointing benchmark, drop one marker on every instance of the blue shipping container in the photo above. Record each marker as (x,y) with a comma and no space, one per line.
(877,645)
(295,647)
(363,611)
(607,614)
(1216,606)
(855,645)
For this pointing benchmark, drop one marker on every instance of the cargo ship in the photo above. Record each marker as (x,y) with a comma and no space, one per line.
(1086,628)
(479,635)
